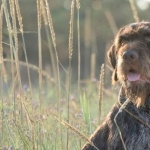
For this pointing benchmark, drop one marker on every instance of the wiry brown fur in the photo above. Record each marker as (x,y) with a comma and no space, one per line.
(135,38)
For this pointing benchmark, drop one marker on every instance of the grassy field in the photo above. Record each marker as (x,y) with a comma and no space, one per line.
(55,114)
(27,125)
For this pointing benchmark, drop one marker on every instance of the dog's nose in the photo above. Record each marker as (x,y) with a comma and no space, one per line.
(130,55)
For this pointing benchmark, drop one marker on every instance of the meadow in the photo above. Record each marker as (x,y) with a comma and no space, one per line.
(57,113)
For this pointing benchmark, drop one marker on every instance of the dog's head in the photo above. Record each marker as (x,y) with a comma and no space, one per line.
(130,58)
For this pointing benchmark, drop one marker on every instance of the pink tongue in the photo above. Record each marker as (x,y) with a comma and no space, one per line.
(133,76)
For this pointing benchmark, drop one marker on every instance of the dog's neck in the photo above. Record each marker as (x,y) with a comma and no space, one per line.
(137,92)
(137,102)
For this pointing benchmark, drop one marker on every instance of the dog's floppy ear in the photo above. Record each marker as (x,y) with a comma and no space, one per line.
(111,54)
(114,76)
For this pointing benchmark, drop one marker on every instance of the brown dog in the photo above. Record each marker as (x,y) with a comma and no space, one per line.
(127,126)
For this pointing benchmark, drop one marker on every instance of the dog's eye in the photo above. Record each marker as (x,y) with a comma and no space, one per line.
(123,40)
(122,43)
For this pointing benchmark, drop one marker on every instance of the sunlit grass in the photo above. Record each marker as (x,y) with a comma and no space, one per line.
(25,135)
(51,115)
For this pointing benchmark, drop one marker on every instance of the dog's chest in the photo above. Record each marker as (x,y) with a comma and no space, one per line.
(134,131)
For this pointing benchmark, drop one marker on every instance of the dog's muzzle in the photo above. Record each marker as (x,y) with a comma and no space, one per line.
(130,55)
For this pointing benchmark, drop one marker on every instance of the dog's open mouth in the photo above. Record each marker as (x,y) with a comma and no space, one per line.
(133,76)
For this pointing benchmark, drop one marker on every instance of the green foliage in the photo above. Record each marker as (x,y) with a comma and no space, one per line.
(85,109)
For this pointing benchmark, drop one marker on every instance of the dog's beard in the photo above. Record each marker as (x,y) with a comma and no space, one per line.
(137,92)
(132,91)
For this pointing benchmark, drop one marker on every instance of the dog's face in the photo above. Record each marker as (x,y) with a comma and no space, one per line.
(130,58)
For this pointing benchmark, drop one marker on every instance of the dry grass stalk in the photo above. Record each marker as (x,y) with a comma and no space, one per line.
(93,63)
(93,56)
(39,13)
(134,10)
(71,31)
(7,17)
(4,72)
(75,131)
(101,84)
(40,51)
(9,28)
(22,100)
(40,67)
(45,18)
(44,15)
(79,50)
(87,41)
(15,48)
(32,67)
(28,118)
(39,47)
(1,34)
(49,43)
(137,118)
(50,23)
(70,59)
(11,7)
(123,106)
(19,17)
(78,4)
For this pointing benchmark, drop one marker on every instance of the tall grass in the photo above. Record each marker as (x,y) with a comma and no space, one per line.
(37,118)
(40,68)
(19,18)
(101,85)
(79,50)
(2,71)
(70,59)
(134,10)
(1,35)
